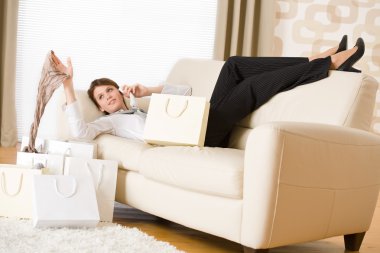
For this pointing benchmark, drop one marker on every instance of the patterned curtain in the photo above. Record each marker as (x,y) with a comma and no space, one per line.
(305,27)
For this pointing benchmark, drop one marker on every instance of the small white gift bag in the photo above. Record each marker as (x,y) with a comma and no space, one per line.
(64,201)
(16,190)
(39,144)
(53,152)
(104,176)
(176,120)
(76,149)
(67,148)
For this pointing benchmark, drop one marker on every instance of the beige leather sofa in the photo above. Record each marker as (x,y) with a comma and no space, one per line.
(303,167)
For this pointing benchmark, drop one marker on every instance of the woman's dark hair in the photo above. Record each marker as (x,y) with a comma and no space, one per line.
(100,82)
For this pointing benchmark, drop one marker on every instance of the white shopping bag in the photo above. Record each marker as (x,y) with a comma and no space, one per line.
(76,149)
(67,148)
(52,164)
(104,175)
(16,190)
(176,120)
(64,201)
(39,144)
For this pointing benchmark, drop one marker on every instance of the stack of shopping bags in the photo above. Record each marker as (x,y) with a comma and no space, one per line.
(63,185)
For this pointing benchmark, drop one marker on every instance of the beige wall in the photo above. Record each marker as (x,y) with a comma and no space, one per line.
(303,27)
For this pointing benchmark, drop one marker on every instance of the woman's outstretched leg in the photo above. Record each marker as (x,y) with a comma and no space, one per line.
(238,68)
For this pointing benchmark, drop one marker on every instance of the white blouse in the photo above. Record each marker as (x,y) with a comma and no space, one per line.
(120,123)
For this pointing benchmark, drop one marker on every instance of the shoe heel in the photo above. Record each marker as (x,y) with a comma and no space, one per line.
(352,69)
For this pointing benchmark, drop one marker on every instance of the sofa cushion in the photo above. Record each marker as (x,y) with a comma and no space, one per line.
(214,171)
(126,152)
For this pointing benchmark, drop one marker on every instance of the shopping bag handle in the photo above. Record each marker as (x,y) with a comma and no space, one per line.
(101,168)
(39,148)
(180,112)
(67,152)
(43,161)
(4,185)
(69,195)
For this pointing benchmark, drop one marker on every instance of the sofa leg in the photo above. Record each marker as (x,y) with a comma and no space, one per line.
(250,250)
(353,242)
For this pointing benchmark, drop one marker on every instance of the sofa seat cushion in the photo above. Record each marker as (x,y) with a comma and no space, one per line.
(126,152)
(215,171)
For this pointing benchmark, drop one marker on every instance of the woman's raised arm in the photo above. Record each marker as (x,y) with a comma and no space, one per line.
(68,82)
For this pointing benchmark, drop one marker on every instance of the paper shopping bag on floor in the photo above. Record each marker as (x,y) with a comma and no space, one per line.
(52,164)
(85,150)
(104,175)
(39,144)
(64,201)
(16,190)
(66,148)
(176,120)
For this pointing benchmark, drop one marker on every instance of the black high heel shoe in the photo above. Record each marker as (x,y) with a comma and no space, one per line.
(347,65)
(342,44)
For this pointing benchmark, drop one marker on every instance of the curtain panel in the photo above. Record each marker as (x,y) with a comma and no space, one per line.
(8,33)
(2,12)
(244,27)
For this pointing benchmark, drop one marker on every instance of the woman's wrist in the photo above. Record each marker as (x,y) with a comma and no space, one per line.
(69,90)
(68,82)
(155,89)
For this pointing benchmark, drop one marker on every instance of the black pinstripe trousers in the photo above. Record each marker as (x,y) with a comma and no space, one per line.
(246,83)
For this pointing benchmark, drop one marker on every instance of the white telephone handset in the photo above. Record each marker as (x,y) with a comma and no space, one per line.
(132,101)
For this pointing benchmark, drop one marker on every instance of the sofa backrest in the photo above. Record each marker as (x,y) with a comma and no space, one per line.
(343,99)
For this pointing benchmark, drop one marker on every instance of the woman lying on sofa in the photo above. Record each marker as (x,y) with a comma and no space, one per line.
(243,85)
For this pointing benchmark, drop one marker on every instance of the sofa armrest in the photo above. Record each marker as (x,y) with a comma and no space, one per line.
(305,181)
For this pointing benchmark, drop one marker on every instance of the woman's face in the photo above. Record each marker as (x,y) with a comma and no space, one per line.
(109,98)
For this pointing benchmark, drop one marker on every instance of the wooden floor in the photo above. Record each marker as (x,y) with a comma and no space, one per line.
(193,241)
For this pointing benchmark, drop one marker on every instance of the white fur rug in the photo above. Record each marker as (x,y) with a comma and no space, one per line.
(18,236)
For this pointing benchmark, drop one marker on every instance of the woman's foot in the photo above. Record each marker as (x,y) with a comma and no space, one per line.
(344,60)
(334,50)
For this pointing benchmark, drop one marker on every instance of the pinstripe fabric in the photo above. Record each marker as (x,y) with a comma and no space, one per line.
(246,83)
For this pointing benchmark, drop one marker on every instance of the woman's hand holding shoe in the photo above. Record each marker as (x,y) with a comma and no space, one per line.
(68,82)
